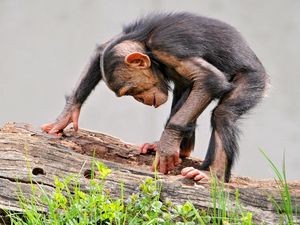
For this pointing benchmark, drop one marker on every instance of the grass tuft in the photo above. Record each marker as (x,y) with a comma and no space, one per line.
(69,204)
(285,208)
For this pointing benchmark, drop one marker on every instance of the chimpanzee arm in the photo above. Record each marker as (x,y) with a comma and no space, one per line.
(201,74)
(90,77)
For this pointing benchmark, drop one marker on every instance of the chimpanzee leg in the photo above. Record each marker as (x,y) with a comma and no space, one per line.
(223,147)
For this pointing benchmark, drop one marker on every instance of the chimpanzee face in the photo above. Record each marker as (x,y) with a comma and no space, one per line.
(127,70)
(135,78)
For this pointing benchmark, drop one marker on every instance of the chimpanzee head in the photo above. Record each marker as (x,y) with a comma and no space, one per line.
(127,70)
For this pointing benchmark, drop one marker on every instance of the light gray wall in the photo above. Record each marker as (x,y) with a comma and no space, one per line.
(45,44)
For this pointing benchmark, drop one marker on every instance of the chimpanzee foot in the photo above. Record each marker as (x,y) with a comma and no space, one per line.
(147,148)
(195,174)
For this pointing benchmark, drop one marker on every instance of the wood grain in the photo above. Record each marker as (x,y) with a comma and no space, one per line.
(26,152)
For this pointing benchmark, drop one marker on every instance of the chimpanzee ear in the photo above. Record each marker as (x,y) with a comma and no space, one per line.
(138,60)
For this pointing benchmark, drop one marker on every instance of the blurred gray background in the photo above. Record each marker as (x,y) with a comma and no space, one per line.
(44,46)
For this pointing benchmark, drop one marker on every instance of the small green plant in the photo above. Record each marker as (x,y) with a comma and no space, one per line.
(69,204)
(286,208)
(224,211)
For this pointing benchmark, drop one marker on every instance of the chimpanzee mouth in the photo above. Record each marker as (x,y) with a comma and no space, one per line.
(154,101)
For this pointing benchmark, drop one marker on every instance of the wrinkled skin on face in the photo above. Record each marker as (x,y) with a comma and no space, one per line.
(139,81)
(152,97)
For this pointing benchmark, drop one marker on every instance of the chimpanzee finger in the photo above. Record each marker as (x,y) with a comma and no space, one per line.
(163,165)
(193,173)
(170,163)
(75,116)
(141,148)
(144,148)
(152,147)
(177,159)
(55,130)
(186,170)
(47,127)
(59,126)
(57,133)
(200,176)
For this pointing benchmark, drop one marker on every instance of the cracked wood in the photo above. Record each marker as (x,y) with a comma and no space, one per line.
(21,145)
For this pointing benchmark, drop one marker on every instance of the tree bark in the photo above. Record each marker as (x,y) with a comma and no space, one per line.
(27,153)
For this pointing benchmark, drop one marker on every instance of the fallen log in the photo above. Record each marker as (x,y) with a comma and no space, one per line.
(27,153)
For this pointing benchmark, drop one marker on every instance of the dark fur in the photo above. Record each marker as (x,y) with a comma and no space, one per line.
(87,82)
(186,35)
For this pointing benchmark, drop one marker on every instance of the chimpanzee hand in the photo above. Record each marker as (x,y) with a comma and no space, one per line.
(167,154)
(69,115)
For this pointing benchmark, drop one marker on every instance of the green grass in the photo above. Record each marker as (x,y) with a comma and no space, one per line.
(70,205)
(224,210)
(66,206)
(286,208)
